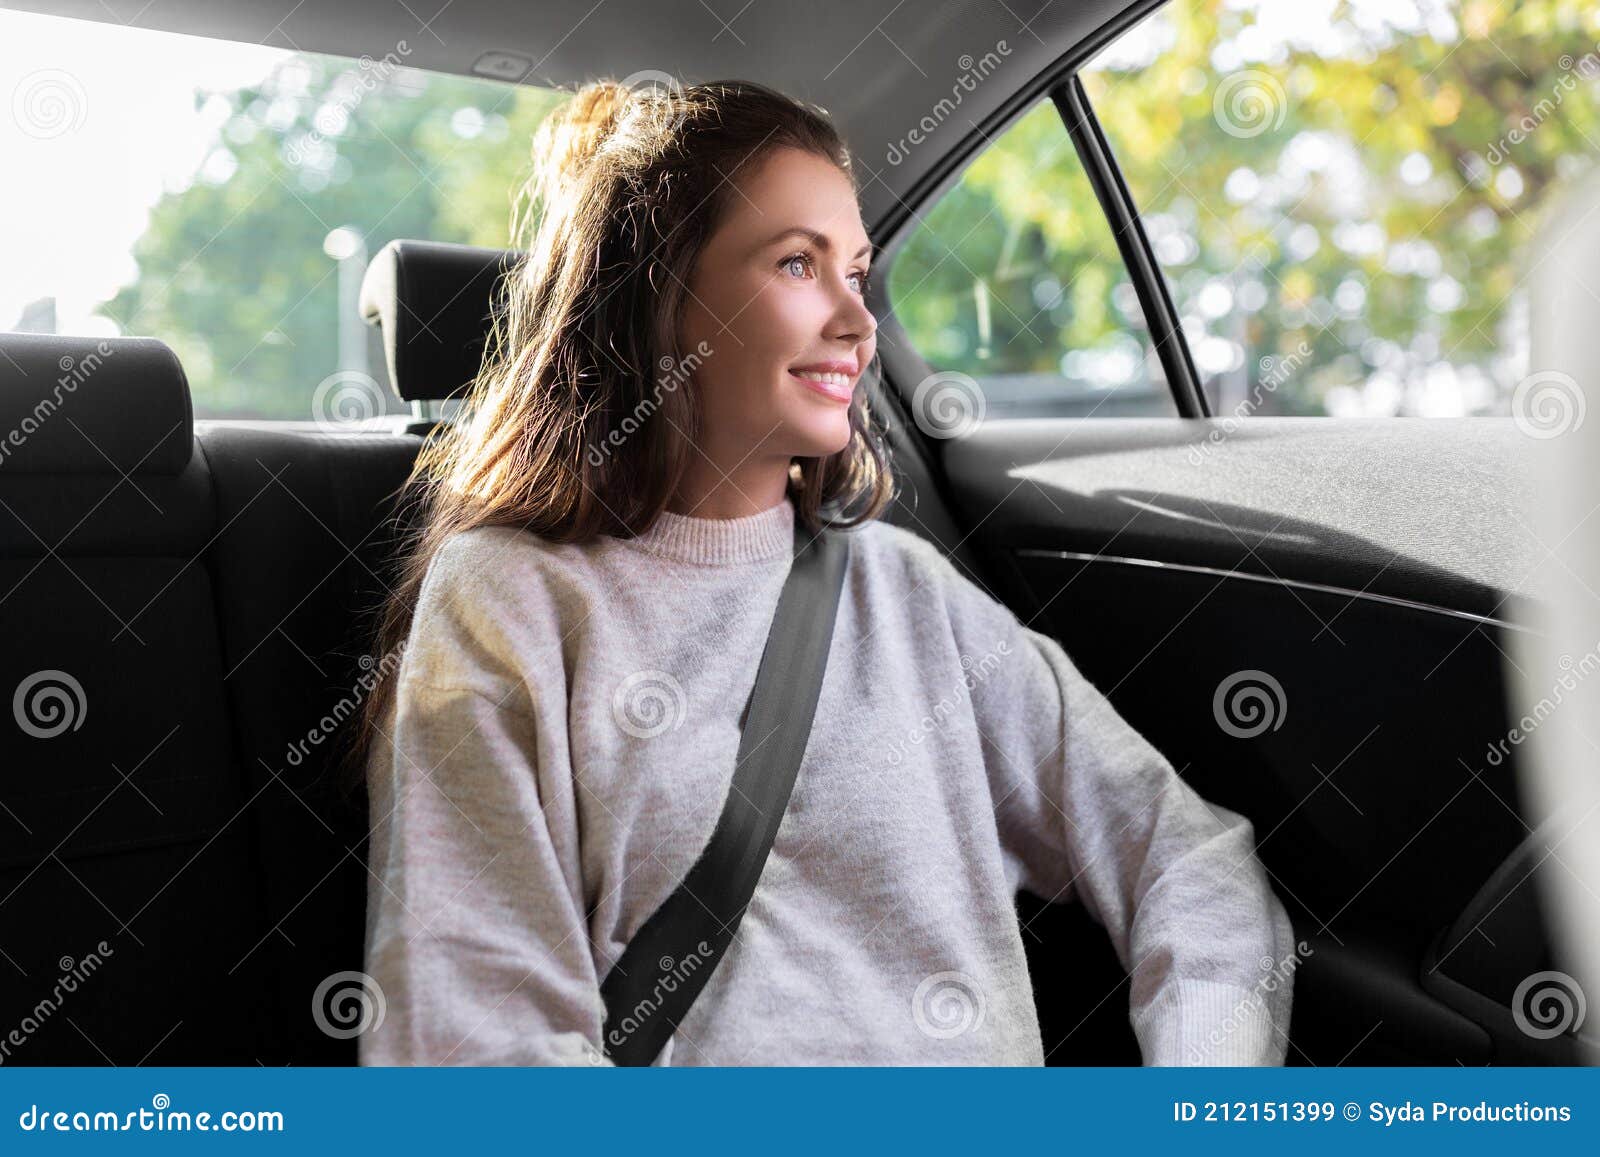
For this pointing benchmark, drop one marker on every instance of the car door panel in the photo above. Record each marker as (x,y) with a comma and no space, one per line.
(1308,618)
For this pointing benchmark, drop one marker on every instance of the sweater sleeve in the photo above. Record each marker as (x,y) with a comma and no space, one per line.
(476,936)
(1087,807)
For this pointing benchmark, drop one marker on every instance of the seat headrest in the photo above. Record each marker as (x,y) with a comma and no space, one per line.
(85,405)
(433,301)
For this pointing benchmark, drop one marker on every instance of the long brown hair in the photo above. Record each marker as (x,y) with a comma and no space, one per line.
(628,187)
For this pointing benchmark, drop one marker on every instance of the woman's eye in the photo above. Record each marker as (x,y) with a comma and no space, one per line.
(862,276)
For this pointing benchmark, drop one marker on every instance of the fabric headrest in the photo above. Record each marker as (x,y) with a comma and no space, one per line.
(85,405)
(433,300)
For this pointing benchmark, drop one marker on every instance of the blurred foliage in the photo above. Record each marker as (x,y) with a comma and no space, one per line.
(232,269)
(1000,279)
(1334,173)
(1347,176)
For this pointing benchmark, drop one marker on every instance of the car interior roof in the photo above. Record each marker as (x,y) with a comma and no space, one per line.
(879,67)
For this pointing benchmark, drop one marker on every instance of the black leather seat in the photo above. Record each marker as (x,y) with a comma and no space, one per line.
(128,901)
(184,616)
(302,557)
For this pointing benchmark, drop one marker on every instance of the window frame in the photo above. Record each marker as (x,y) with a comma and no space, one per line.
(1061,85)
(1127,226)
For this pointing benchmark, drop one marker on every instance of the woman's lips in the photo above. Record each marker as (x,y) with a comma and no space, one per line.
(839,393)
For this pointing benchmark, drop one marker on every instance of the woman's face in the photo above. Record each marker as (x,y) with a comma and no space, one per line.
(777,298)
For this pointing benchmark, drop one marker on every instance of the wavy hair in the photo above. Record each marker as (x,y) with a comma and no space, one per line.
(627,188)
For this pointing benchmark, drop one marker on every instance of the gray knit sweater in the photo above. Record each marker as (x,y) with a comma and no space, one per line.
(563,737)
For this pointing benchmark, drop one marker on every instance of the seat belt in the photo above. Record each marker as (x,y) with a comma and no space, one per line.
(651,987)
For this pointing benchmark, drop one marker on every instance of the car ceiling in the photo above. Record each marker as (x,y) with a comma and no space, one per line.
(879,67)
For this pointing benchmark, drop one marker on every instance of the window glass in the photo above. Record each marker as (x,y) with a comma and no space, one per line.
(225,198)
(1340,193)
(1012,289)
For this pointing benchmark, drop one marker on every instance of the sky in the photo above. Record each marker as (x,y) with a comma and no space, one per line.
(98,120)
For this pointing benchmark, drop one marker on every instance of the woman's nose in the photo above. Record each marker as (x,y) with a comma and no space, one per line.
(854,320)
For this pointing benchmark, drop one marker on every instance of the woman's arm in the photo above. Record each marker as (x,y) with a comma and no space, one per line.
(476,930)
(1087,807)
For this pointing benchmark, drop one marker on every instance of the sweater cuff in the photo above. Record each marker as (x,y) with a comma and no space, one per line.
(1207,1022)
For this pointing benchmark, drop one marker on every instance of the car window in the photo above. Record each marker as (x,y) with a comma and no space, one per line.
(225,198)
(1012,289)
(1339,193)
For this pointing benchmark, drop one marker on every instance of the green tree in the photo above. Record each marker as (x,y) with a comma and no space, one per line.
(232,271)
(1360,186)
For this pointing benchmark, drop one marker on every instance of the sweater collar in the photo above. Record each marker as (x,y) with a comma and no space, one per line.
(759,537)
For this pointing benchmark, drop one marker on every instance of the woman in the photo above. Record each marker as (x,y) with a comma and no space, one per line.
(676,380)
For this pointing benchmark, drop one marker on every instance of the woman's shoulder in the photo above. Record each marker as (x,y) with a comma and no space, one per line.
(916,569)
(487,557)
(906,552)
(501,577)
(492,604)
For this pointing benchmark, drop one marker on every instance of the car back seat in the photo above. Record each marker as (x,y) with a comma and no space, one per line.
(303,555)
(128,901)
(248,556)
